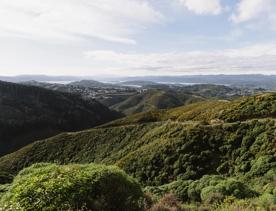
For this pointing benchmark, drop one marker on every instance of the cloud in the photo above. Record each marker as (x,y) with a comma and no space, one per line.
(109,20)
(203,7)
(256,14)
(251,59)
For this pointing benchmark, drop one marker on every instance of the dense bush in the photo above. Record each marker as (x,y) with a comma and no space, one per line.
(265,202)
(210,189)
(262,165)
(73,187)
(228,187)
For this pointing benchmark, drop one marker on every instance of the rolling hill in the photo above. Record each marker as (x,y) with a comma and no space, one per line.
(31,113)
(259,106)
(153,99)
(247,124)
(170,96)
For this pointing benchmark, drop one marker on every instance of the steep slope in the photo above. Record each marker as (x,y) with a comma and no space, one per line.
(31,113)
(160,152)
(153,99)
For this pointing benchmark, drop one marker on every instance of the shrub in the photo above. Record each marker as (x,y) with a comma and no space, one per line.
(195,188)
(73,187)
(262,165)
(267,200)
(231,203)
(228,187)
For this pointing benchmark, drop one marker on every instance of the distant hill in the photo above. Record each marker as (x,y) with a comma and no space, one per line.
(213,91)
(251,81)
(140,96)
(168,96)
(137,83)
(30,113)
(153,99)
(244,81)
(107,94)
(40,78)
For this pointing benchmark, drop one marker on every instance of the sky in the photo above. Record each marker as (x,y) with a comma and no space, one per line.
(137,37)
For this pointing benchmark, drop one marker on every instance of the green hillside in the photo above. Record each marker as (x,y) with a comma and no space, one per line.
(259,106)
(31,113)
(162,96)
(153,99)
(161,145)
(204,153)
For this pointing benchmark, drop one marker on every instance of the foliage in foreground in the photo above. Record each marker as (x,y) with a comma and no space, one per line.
(73,187)
(214,192)
(98,187)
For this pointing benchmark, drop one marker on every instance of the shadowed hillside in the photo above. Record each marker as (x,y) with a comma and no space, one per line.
(31,113)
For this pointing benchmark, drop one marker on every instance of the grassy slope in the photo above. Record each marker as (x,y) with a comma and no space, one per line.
(160,152)
(259,106)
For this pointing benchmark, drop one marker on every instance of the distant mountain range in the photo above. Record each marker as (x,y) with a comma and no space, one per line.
(245,80)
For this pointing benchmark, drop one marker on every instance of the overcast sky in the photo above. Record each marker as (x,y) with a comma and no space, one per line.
(137,37)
